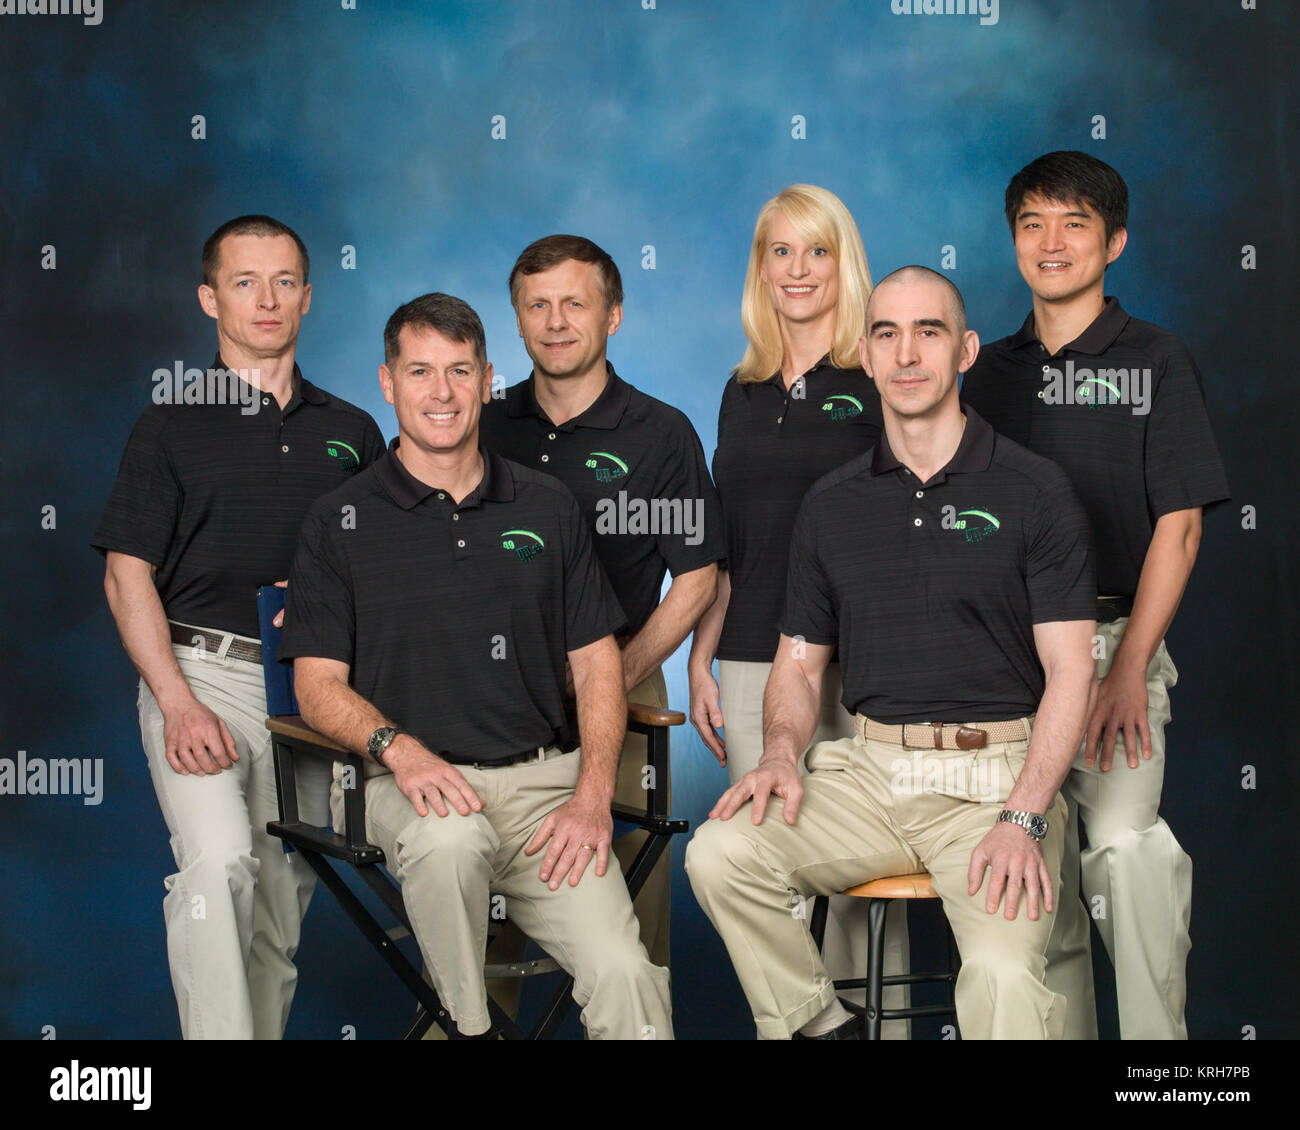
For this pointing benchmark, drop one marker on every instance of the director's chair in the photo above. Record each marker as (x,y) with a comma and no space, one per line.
(324,849)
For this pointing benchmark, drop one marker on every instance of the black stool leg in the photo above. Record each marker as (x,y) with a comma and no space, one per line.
(817,924)
(875,964)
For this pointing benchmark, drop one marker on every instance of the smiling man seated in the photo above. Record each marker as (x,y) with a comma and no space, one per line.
(432,606)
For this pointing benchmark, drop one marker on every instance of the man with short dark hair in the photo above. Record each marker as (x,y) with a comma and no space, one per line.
(212,487)
(434,602)
(638,471)
(952,568)
(1118,403)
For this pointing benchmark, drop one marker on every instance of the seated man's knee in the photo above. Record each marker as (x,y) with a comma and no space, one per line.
(715,851)
(1000,962)
(453,842)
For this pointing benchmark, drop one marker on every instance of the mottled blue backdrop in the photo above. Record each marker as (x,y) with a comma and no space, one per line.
(665,127)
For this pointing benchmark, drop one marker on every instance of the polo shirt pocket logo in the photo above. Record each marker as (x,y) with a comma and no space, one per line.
(842,406)
(975,525)
(345,453)
(523,543)
(607,466)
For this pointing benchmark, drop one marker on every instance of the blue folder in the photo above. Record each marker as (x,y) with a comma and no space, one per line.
(279,676)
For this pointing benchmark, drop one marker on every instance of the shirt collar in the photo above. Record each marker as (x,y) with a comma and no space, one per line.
(497,484)
(775,378)
(606,411)
(1093,342)
(974,452)
(302,388)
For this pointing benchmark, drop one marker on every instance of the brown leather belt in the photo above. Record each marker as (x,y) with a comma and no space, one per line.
(240,648)
(942,735)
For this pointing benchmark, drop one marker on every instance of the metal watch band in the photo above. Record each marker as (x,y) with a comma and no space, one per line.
(1025,820)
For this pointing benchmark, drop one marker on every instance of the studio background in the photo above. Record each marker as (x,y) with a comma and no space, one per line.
(658,132)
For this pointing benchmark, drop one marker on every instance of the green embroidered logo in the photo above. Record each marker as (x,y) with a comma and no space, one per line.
(842,406)
(345,453)
(975,525)
(524,550)
(615,468)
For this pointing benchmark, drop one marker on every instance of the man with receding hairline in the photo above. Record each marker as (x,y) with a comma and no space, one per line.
(953,571)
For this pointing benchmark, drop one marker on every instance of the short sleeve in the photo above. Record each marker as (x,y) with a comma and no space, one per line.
(373,445)
(1182,464)
(591,610)
(684,477)
(810,610)
(145,504)
(320,611)
(1060,569)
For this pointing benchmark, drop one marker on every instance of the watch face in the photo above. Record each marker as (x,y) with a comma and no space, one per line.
(1037,826)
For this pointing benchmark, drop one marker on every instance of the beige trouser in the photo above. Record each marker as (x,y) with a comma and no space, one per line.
(235,905)
(872,809)
(740,688)
(1137,880)
(651,905)
(450,866)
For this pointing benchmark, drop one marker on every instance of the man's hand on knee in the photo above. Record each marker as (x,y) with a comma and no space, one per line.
(579,830)
(1016,861)
(423,776)
(771,778)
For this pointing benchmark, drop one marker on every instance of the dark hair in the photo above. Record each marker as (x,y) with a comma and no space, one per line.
(248,225)
(552,250)
(1070,177)
(452,317)
(912,272)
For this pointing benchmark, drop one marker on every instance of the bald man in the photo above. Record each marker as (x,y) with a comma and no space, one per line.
(953,570)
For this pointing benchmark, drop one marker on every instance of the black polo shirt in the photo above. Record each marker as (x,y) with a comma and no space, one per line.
(637,469)
(454,619)
(1121,409)
(773,444)
(213,494)
(932,590)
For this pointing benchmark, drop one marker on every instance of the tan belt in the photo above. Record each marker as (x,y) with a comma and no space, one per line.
(942,735)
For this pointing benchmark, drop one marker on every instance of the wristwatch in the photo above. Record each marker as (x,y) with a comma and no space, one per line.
(379,741)
(1035,823)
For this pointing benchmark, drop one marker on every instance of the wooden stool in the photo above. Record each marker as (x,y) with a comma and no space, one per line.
(879,893)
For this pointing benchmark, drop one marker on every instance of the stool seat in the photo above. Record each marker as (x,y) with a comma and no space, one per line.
(894,887)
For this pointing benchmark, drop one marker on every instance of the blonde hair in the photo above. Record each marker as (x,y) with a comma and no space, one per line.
(819,217)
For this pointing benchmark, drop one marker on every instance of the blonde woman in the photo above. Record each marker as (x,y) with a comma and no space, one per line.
(797,406)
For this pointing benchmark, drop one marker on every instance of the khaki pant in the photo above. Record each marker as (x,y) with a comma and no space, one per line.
(450,866)
(845,950)
(234,906)
(872,809)
(1136,879)
(651,905)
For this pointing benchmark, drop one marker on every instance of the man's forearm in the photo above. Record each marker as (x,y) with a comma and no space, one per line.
(331,707)
(689,596)
(142,624)
(1058,730)
(791,705)
(602,721)
(1165,572)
